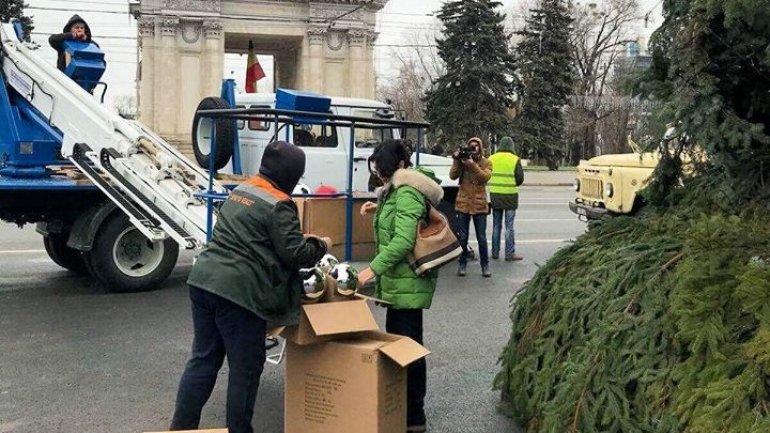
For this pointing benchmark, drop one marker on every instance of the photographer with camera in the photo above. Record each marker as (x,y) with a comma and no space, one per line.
(474,171)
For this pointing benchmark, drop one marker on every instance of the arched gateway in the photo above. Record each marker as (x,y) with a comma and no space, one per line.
(325,46)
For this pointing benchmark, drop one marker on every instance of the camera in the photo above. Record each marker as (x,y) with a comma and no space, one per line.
(463,152)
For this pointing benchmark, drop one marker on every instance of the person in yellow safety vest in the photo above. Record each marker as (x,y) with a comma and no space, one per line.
(507,176)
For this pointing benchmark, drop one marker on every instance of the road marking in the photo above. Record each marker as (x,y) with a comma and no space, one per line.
(21,251)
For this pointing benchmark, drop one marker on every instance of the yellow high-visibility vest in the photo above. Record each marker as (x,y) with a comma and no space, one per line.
(503,179)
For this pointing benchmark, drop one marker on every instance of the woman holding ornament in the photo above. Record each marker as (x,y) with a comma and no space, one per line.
(402,205)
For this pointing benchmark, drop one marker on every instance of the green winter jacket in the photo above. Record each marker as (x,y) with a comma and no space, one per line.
(400,210)
(255,253)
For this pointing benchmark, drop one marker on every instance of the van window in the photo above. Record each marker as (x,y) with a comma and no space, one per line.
(315,136)
(368,138)
(259,125)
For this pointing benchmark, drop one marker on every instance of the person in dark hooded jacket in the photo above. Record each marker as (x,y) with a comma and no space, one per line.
(244,282)
(76,29)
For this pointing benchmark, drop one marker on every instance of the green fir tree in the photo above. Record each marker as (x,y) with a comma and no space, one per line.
(543,58)
(10,9)
(711,68)
(661,323)
(473,98)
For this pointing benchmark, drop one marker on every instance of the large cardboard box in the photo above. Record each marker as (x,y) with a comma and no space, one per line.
(349,386)
(359,252)
(326,217)
(330,321)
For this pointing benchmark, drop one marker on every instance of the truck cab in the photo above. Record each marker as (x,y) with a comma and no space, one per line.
(326,147)
(609,185)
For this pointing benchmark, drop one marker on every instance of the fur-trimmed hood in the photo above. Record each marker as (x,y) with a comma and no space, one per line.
(419,181)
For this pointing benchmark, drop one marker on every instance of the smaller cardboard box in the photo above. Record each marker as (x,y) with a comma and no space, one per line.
(349,386)
(330,321)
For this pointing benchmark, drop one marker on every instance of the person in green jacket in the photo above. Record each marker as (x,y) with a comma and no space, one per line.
(245,282)
(400,209)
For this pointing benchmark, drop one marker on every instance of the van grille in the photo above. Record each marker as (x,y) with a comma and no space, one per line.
(592,188)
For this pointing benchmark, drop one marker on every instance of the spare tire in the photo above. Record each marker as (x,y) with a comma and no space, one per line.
(201,135)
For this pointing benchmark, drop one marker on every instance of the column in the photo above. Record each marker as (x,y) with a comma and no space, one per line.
(371,81)
(213,58)
(167,80)
(315,72)
(146,79)
(359,71)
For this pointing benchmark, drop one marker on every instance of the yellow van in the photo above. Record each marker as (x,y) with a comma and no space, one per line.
(609,184)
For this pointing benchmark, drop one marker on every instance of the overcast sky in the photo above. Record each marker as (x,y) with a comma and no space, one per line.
(115,31)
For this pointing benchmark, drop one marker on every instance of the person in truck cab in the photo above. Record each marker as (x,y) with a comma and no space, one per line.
(244,282)
(76,29)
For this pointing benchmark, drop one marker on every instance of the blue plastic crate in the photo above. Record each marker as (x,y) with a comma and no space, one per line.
(296,100)
(86,65)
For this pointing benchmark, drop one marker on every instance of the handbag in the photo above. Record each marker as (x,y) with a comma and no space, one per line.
(436,244)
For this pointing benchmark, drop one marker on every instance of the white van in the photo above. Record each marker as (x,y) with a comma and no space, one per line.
(326,147)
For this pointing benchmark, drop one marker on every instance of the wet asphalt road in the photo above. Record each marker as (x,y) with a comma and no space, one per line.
(76,358)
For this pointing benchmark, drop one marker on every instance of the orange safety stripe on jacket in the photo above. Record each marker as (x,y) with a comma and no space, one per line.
(265,185)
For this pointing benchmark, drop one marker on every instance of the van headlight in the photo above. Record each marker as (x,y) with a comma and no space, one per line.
(608,190)
(576,185)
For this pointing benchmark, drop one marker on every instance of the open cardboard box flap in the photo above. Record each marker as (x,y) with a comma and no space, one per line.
(340,317)
(402,350)
(330,321)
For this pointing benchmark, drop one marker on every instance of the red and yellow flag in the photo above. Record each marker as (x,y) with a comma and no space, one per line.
(254,71)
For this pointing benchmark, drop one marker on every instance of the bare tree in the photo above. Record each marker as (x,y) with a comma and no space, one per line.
(601,31)
(418,64)
(406,90)
(517,15)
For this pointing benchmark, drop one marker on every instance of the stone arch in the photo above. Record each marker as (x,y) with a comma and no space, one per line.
(183,42)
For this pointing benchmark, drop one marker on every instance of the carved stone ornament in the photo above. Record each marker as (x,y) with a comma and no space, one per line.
(316,35)
(193,5)
(212,29)
(358,37)
(146,27)
(328,13)
(335,40)
(168,25)
(191,31)
(379,4)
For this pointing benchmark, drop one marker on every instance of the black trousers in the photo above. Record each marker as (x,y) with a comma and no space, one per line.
(409,323)
(221,328)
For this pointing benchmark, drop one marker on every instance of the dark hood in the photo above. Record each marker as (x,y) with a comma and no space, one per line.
(77,19)
(506,145)
(283,164)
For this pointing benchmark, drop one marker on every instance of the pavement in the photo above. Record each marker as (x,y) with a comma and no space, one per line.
(76,358)
(549,178)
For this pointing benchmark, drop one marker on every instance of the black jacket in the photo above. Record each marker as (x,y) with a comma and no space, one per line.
(57,41)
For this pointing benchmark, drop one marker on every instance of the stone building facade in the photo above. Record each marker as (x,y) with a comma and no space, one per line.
(326,46)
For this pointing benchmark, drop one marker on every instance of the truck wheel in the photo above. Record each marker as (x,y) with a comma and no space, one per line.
(201,135)
(124,260)
(64,256)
